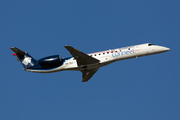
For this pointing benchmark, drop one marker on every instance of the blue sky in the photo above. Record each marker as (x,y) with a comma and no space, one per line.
(145,88)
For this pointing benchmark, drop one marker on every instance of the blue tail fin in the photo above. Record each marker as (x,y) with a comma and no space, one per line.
(26,60)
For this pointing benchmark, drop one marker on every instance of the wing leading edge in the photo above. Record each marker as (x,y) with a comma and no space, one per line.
(83,59)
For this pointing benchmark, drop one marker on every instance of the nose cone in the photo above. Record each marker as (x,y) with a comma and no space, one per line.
(164,49)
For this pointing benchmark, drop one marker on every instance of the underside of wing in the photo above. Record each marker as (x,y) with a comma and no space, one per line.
(82,58)
(87,74)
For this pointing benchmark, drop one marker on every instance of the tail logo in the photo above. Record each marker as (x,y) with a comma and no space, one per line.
(27,60)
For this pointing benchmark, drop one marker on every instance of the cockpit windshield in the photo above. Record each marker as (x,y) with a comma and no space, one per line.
(150,44)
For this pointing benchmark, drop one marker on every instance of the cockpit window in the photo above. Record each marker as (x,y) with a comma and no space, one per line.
(150,44)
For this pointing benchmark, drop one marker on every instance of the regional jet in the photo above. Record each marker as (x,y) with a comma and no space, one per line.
(88,64)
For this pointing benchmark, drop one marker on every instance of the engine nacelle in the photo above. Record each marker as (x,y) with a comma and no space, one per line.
(50,61)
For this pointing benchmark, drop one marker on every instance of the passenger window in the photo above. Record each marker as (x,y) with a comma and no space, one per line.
(111,51)
(103,53)
(94,54)
(128,48)
(99,54)
(107,52)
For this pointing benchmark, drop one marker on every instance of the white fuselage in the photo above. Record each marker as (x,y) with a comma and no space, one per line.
(109,56)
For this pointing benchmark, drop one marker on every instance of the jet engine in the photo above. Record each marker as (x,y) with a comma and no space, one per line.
(51,61)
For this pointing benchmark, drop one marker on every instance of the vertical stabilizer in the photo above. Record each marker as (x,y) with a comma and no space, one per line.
(26,60)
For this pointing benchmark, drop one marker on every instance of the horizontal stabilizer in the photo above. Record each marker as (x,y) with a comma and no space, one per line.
(17,51)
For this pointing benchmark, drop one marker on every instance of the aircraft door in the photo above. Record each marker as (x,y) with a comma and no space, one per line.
(150,50)
(136,50)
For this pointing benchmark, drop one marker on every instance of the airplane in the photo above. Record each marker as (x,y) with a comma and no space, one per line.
(88,64)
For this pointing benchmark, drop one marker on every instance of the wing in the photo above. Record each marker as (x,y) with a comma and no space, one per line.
(87,74)
(82,58)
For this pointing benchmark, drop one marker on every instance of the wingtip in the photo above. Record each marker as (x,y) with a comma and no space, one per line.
(84,80)
(67,46)
(12,48)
